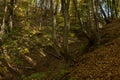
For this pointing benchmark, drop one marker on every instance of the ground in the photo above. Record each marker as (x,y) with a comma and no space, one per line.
(101,63)
(104,62)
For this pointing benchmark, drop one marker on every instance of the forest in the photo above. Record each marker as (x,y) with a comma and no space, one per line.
(59,39)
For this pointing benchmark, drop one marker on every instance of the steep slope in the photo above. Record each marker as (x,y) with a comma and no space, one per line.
(104,62)
(110,31)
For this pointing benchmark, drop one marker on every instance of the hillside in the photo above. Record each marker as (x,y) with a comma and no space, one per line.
(104,62)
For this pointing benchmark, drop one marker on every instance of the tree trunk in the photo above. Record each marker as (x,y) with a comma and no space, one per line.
(11,14)
(85,32)
(54,8)
(2,27)
(103,12)
(96,27)
(66,16)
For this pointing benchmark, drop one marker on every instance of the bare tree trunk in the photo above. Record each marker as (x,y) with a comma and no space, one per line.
(115,7)
(103,12)
(54,8)
(65,12)
(2,27)
(96,20)
(88,32)
(80,20)
(89,17)
(11,14)
(108,12)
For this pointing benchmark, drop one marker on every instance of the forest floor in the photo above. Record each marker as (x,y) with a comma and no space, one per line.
(102,63)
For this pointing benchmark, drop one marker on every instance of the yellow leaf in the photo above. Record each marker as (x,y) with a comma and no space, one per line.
(26,50)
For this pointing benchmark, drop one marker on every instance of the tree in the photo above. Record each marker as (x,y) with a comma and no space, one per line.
(96,20)
(54,9)
(65,12)
(11,14)
(2,27)
(104,14)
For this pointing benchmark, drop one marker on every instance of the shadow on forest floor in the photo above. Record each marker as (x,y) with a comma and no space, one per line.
(103,63)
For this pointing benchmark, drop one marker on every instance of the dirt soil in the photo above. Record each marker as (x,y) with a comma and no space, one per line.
(104,62)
